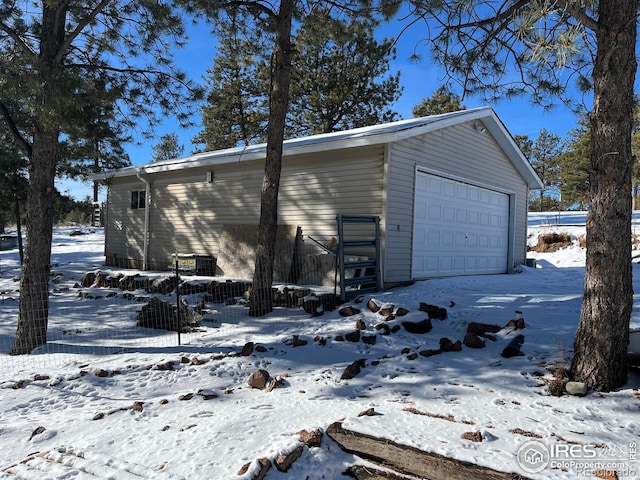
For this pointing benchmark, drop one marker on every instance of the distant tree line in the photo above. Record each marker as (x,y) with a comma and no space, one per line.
(563,165)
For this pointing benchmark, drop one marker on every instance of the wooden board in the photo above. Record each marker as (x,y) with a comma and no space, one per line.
(410,460)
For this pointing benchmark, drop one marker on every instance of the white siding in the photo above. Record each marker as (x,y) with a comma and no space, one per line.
(462,153)
(190,214)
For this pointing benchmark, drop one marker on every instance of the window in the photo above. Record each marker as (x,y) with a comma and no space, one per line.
(137,199)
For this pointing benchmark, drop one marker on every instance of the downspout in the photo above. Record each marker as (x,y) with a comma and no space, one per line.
(145,242)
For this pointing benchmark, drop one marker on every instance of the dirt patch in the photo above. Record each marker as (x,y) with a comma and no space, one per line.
(552,242)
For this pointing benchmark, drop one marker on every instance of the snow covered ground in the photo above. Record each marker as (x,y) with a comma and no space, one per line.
(135,404)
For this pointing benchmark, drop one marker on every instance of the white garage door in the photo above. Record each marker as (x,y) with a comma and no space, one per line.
(459,229)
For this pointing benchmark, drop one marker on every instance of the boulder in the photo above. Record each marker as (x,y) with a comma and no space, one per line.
(578,389)
(482,328)
(352,370)
(353,336)
(284,461)
(472,340)
(348,311)
(513,349)
(259,379)
(433,311)
(418,327)
(447,345)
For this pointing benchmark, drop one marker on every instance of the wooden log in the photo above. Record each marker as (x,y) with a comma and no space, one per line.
(410,460)
(360,472)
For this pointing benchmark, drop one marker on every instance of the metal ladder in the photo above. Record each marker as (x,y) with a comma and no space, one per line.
(367,273)
(96,215)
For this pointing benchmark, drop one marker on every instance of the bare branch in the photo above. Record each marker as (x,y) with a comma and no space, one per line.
(18,40)
(81,25)
(579,14)
(14,129)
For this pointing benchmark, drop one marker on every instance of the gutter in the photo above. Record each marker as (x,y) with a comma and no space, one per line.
(147,195)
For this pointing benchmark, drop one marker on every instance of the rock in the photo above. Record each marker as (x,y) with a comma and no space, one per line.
(163,315)
(88,279)
(360,325)
(430,352)
(312,306)
(329,301)
(283,461)
(264,464)
(37,431)
(353,336)
(348,311)
(472,436)
(311,438)
(447,345)
(275,383)
(298,342)
(513,349)
(516,324)
(386,310)
(369,339)
(471,340)
(482,328)
(401,312)
(247,349)
(384,327)
(137,406)
(259,379)
(207,394)
(578,389)
(418,327)
(369,412)
(352,370)
(164,366)
(433,311)
(373,306)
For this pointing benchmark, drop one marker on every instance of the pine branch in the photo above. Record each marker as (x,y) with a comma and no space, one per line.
(79,28)
(14,129)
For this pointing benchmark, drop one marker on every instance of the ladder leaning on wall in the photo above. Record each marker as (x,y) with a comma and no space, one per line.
(96,214)
(366,268)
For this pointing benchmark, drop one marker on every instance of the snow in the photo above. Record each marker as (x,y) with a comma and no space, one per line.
(82,386)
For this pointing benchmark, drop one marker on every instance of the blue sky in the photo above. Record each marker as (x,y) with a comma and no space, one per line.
(419,79)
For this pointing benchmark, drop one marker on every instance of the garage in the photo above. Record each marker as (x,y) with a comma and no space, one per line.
(463,172)
(459,228)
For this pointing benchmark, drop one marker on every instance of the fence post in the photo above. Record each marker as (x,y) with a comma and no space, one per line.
(179,316)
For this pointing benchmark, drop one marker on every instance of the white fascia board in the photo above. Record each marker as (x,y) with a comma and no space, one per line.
(359,137)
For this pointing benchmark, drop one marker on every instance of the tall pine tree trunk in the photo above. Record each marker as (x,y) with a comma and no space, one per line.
(261,301)
(601,341)
(34,284)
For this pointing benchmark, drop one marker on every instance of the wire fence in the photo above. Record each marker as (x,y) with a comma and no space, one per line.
(98,310)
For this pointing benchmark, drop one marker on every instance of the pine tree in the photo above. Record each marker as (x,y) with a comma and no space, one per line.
(237,108)
(168,148)
(341,77)
(536,47)
(544,155)
(441,101)
(52,60)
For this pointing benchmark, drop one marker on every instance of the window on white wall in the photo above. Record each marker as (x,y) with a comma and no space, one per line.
(137,199)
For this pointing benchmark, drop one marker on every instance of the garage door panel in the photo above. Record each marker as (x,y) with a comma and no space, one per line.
(465,231)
